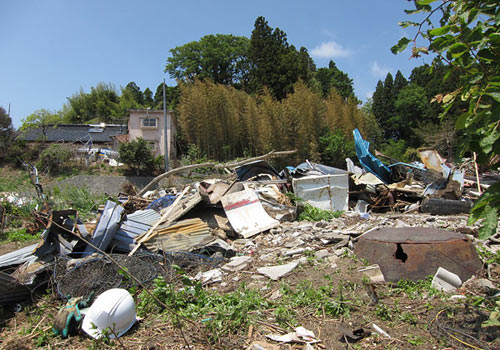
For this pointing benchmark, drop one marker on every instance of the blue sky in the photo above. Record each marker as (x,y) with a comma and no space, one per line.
(51,49)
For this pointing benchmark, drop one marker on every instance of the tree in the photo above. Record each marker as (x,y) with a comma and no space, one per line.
(138,155)
(135,92)
(332,77)
(221,58)
(172,95)
(274,63)
(383,106)
(466,37)
(102,104)
(399,83)
(411,111)
(41,119)
(148,98)
(6,132)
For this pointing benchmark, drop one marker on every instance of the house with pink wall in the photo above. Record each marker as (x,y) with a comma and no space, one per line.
(150,125)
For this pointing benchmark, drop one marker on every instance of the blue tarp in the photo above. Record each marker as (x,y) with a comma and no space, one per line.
(368,161)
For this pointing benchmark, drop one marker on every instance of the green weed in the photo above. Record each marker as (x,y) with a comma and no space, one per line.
(415,340)
(78,198)
(19,235)
(310,213)
(383,312)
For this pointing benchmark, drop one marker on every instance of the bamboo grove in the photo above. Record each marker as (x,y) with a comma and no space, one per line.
(225,123)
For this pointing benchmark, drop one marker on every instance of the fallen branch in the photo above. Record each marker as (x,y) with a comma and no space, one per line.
(272,154)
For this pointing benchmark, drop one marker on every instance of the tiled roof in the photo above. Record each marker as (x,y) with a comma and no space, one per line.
(123,138)
(75,133)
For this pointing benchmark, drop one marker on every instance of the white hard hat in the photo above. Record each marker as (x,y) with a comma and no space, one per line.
(113,309)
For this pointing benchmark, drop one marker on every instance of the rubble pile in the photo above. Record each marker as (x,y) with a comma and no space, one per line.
(218,229)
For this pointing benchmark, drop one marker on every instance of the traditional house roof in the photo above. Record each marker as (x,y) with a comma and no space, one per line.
(98,133)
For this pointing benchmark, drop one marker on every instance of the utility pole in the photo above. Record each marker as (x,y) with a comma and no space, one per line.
(165,137)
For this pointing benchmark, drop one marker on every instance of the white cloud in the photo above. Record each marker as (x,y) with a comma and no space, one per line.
(330,49)
(368,95)
(379,71)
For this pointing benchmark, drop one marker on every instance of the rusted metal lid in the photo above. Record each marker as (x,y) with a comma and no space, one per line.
(412,235)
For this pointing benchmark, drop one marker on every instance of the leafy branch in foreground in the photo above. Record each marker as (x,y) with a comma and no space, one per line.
(467,38)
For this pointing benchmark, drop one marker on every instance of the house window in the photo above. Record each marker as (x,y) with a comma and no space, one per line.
(149,123)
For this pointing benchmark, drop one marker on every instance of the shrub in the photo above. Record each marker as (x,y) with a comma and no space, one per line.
(335,147)
(138,156)
(54,158)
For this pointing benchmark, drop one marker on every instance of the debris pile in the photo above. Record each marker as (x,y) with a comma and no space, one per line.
(213,229)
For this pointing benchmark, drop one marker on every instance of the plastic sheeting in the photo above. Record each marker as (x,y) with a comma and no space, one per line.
(368,161)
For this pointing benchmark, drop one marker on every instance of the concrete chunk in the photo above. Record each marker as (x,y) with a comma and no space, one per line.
(279,271)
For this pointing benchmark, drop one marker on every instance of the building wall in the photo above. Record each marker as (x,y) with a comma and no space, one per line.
(154,135)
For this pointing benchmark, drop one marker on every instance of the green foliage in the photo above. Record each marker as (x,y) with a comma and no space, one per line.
(333,78)
(383,312)
(276,64)
(221,314)
(487,208)
(398,151)
(172,95)
(222,58)
(415,340)
(15,182)
(54,158)
(101,104)
(310,213)
(41,119)
(77,198)
(335,147)
(465,36)
(138,155)
(414,290)
(6,133)
(18,235)
(225,123)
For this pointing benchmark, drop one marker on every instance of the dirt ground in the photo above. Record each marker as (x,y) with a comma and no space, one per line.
(414,319)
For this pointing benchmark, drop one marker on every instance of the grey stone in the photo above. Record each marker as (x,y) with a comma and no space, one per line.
(321,254)
(278,271)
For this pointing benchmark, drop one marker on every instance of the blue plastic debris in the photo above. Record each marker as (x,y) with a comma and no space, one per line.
(162,202)
(368,161)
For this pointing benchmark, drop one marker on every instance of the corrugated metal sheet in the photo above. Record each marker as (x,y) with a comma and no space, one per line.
(19,256)
(106,227)
(147,216)
(184,235)
(136,223)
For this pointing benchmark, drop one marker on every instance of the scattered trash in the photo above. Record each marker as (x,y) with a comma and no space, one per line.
(248,217)
(69,316)
(209,277)
(301,335)
(113,311)
(374,273)
(445,280)
(246,214)
(279,271)
(237,263)
(380,331)
(327,192)
(350,335)
(261,345)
